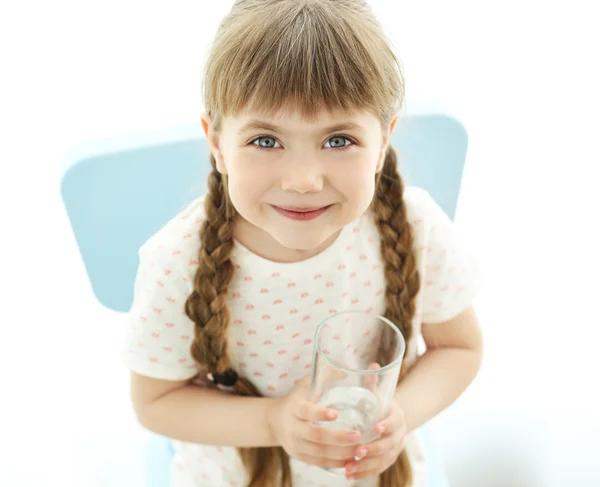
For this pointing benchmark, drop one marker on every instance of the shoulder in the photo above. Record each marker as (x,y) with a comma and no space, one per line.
(423,213)
(176,244)
(419,203)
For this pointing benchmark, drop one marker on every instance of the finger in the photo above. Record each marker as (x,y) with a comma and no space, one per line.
(320,462)
(310,412)
(370,380)
(331,452)
(393,422)
(366,474)
(326,436)
(365,466)
(371,466)
(381,447)
(304,382)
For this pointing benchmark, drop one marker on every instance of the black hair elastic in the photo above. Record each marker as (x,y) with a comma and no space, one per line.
(227,378)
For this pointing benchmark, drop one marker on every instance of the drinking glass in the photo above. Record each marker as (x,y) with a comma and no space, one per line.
(355,370)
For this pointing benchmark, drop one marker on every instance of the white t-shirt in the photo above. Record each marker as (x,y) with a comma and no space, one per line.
(275,309)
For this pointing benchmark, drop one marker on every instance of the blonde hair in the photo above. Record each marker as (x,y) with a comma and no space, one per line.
(307,55)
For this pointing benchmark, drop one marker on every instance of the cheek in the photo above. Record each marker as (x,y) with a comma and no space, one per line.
(247,180)
(356,179)
(357,184)
(365,190)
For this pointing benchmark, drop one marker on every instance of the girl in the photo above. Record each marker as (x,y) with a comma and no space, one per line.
(305,215)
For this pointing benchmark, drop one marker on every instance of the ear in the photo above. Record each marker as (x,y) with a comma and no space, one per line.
(385,143)
(213,142)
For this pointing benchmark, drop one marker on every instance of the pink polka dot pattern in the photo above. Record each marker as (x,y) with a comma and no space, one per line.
(275,309)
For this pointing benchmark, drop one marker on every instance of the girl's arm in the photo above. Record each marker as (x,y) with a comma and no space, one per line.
(191,413)
(196,414)
(439,377)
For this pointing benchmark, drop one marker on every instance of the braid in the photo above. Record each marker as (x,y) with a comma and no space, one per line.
(207,308)
(401,276)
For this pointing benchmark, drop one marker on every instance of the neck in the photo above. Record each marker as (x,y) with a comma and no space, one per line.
(261,243)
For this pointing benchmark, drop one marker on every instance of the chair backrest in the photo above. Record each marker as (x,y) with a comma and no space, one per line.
(117,198)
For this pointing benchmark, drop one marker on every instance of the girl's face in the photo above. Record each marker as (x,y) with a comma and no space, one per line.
(287,162)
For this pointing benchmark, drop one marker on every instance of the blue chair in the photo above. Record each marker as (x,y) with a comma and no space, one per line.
(118,193)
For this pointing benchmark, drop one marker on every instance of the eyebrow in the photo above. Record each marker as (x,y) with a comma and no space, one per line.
(262,125)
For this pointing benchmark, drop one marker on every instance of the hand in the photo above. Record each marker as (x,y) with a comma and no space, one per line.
(379,455)
(291,422)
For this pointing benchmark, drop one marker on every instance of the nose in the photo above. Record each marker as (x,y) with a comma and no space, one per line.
(302,176)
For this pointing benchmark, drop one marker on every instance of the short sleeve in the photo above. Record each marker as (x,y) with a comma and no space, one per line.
(451,275)
(159,334)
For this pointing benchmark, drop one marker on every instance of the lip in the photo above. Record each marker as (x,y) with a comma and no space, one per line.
(301,213)
(301,209)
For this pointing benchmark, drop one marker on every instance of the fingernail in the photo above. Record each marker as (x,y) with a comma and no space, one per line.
(380,429)
(355,436)
(331,414)
(362,452)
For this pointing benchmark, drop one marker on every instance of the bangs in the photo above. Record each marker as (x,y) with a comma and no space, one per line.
(305,56)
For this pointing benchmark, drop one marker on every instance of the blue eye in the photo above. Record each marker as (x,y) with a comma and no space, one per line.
(265,142)
(338,142)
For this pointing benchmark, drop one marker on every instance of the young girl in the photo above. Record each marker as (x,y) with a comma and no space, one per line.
(305,215)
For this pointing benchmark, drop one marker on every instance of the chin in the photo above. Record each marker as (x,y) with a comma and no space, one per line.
(300,242)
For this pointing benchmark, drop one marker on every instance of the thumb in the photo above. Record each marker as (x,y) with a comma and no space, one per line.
(304,382)
(370,380)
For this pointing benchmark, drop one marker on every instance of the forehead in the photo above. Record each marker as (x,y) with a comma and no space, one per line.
(293,120)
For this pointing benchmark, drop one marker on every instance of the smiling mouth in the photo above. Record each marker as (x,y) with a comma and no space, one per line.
(299,209)
(303,214)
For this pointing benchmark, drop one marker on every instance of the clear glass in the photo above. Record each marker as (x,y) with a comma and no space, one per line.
(355,370)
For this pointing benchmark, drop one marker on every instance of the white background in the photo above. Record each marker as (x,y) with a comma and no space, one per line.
(524,78)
